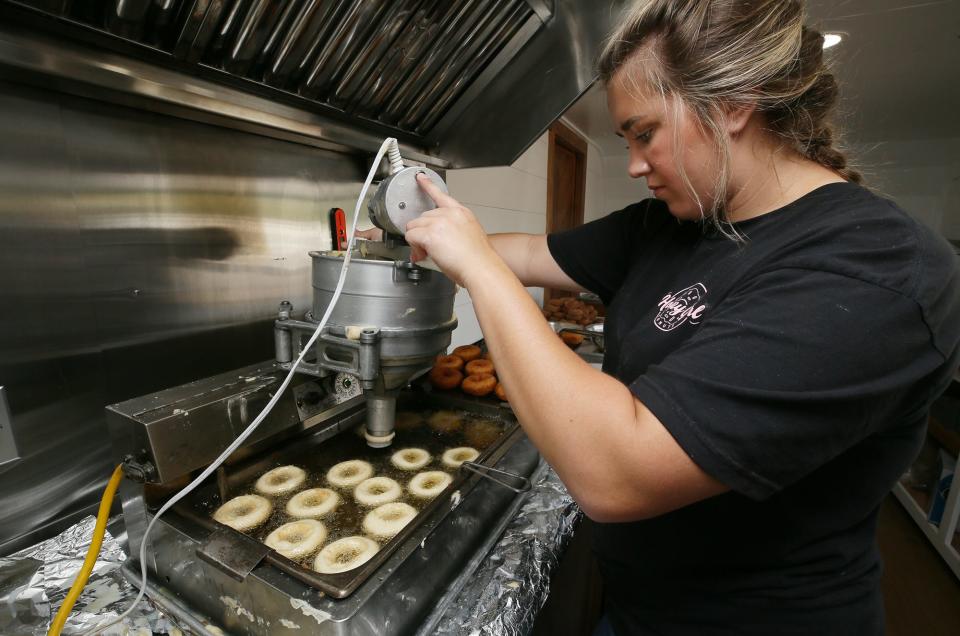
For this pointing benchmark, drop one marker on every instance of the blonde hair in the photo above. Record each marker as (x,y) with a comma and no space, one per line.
(717,54)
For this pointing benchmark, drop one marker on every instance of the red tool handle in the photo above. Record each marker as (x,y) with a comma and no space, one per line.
(338,225)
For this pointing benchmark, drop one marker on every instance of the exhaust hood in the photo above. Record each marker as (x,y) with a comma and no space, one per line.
(463,82)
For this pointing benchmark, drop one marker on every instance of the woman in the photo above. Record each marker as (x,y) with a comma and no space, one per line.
(775,334)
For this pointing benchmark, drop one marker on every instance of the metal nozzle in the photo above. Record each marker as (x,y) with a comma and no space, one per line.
(381,411)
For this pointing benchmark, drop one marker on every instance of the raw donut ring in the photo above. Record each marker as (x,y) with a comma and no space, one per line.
(280,480)
(454,457)
(407,421)
(297,539)
(384,522)
(244,513)
(377,491)
(453,362)
(315,503)
(345,554)
(482,433)
(479,384)
(479,366)
(429,484)
(445,422)
(410,458)
(468,352)
(445,378)
(500,392)
(349,473)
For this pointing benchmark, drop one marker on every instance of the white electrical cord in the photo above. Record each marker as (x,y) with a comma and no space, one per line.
(389,146)
(393,156)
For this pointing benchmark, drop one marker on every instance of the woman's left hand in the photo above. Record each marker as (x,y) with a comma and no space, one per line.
(450,235)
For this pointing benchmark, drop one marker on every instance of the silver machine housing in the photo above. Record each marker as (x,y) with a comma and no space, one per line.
(392,318)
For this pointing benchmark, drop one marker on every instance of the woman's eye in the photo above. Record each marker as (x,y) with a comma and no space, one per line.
(644,136)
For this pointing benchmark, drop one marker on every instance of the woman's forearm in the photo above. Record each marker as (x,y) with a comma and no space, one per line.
(559,398)
(515,250)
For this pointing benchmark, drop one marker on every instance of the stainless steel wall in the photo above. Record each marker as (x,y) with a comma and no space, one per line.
(137,251)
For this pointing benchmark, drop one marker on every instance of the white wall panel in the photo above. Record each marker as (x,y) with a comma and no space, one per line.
(504,199)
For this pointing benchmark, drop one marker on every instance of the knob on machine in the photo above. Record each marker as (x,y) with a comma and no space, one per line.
(399,199)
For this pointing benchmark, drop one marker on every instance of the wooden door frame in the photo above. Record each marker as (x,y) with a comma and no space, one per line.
(562,135)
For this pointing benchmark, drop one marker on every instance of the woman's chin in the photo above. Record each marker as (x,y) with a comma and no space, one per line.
(683,212)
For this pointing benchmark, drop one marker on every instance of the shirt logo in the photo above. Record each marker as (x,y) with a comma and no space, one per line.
(678,308)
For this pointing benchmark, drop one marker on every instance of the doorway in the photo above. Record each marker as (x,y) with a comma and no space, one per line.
(566,184)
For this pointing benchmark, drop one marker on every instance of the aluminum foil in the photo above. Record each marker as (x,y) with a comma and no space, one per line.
(505,593)
(34,582)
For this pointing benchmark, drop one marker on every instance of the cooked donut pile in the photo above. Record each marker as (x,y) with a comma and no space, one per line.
(335,520)
(570,310)
(468,368)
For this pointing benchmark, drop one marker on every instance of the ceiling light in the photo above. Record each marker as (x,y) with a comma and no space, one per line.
(831,39)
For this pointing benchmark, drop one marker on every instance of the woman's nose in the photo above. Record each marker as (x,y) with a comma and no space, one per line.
(638,167)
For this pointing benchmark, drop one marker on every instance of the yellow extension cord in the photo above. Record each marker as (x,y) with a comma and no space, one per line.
(98,531)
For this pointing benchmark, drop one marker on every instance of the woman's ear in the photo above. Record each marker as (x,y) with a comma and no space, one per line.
(737,116)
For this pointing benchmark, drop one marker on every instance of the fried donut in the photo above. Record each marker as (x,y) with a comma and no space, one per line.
(452,362)
(280,480)
(500,392)
(445,378)
(445,422)
(345,554)
(479,384)
(377,491)
(571,339)
(482,433)
(410,458)
(297,539)
(349,473)
(384,522)
(454,457)
(407,421)
(313,503)
(429,484)
(244,513)
(468,352)
(479,366)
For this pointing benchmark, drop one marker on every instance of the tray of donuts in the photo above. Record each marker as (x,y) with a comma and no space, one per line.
(467,370)
(332,510)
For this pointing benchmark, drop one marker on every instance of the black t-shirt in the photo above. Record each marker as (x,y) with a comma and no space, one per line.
(797,368)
